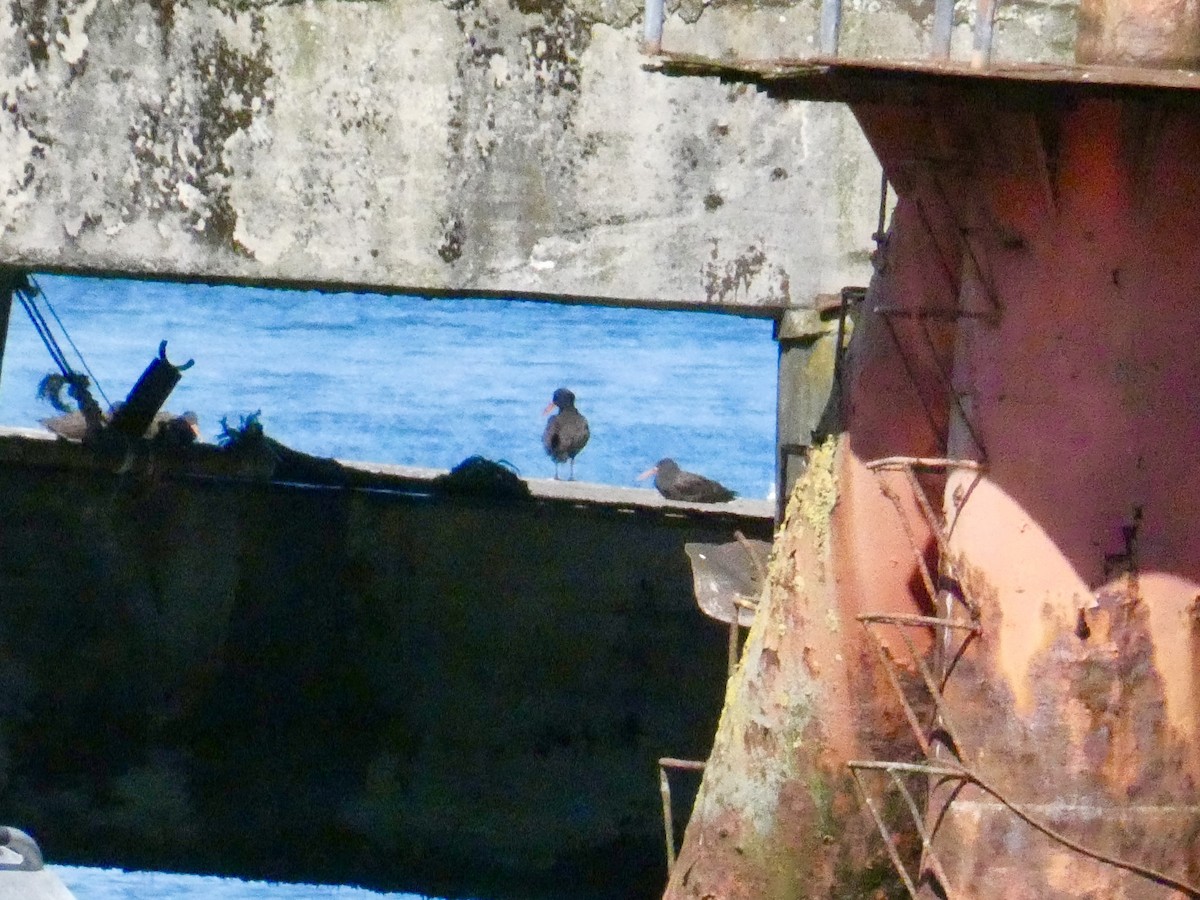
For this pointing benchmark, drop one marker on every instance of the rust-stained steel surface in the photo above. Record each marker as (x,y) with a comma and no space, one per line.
(1159,33)
(851,80)
(1076,703)
(779,815)
(1018,462)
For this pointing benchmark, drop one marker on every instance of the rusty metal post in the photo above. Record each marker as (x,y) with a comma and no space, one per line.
(943,25)
(1074,712)
(777,815)
(807,384)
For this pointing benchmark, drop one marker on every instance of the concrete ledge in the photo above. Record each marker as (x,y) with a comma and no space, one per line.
(35,447)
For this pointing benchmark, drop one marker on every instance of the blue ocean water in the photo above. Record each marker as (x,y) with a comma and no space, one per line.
(423,382)
(427,382)
(116,884)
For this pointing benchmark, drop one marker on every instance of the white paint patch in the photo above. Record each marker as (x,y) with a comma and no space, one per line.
(189,196)
(499,68)
(74,42)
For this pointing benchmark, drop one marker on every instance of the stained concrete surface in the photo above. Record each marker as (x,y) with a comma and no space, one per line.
(469,147)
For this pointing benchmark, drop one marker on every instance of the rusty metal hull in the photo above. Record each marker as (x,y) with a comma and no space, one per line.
(1072,237)
(778,815)
(1010,513)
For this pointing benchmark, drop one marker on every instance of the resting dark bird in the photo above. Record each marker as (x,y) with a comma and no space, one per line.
(567,431)
(170,430)
(70,426)
(676,484)
(166,427)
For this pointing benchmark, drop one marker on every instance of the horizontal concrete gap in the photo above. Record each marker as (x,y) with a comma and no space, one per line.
(753,311)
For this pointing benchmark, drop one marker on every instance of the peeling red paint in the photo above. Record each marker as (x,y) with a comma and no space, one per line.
(1031,324)
(777,815)
(1081,400)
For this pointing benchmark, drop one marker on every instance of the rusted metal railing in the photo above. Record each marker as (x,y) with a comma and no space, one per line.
(664,787)
(829,30)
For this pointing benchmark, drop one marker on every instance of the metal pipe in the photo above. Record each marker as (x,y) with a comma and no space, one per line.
(664,789)
(733,643)
(935,463)
(943,25)
(985,17)
(6,301)
(831,26)
(652,42)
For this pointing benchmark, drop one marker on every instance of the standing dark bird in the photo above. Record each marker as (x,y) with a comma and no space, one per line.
(676,484)
(567,431)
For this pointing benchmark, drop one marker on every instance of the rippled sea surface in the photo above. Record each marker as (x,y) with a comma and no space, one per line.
(426,382)
(116,884)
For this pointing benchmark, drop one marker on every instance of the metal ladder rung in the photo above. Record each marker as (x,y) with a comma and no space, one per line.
(923,734)
(895,770)
(902,312)
(908,768)
(908,466)
(907,619)
(664,787)
(928,463)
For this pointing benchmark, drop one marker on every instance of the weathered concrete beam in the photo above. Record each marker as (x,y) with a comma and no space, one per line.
(469,148)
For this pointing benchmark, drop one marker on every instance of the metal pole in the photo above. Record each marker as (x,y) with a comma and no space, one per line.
(664,788)
(654,26)
(943,24)
(985,16)
(831,26)
(7,290)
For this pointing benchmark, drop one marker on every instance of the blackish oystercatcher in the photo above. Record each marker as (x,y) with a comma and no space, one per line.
(567,431)
(676,484)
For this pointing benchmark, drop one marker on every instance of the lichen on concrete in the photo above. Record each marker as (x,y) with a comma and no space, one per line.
(462,145)
(475,145)
(178,139)
(746,275)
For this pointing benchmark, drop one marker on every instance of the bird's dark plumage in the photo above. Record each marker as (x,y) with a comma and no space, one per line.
(170,430)
(676,484)
(567,431)
(165,428)
(71,426)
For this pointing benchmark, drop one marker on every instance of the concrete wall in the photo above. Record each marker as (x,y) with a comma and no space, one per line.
(462,146)
(383,687)
(465,146)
